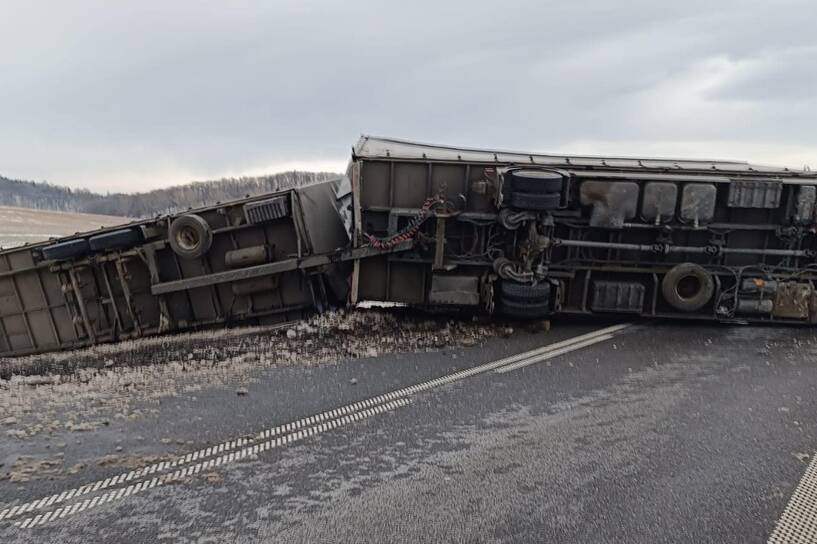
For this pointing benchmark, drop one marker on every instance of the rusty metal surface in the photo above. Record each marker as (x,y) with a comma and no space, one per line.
(755,193)
(793,300)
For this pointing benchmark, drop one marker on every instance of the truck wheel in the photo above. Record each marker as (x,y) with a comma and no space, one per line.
(536,181)
(687,287)
(522,300)
(523,310)
(190,236)
(523,292)
(532,201)
(115,240)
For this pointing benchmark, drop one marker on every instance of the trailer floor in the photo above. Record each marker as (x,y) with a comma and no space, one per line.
(659,433)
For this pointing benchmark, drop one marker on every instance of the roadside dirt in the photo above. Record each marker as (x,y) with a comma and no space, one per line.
(86,389)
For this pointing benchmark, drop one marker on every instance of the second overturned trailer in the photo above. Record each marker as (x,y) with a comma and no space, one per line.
(530,235)
(267,259)
(517,234)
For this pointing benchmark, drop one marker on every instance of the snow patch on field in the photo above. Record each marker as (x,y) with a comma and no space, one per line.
(19,226)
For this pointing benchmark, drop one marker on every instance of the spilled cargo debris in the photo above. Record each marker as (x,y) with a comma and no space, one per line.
(75,392)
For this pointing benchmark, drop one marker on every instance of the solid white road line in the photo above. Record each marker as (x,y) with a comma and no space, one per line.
(327,420)
(551,354)
(564,343)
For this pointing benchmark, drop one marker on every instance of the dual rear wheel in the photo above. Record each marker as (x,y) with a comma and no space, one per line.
(538,190)
(523,301)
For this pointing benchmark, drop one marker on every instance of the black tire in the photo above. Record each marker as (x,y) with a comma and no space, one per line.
(531,201)
(69,249)
(687,287)
(523,310)
(523,292)
(190,236)
(115,240)
(536,181)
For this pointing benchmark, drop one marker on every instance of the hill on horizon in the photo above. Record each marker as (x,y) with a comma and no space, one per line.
(45,196)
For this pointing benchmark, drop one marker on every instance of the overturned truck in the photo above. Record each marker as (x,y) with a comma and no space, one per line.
(514,234)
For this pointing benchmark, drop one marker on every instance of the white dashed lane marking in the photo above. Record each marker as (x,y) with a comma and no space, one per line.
(200,454)
(282,434)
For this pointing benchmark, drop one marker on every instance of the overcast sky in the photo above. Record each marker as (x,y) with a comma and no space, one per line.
(129,96)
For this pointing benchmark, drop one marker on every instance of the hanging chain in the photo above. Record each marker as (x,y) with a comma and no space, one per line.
(409,231)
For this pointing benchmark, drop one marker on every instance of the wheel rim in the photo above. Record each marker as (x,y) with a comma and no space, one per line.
(188,238)
(688,287)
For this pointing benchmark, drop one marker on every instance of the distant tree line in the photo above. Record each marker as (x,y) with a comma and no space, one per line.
(43,195)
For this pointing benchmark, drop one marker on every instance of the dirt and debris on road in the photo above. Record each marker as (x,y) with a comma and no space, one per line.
(28,468)
(89,388)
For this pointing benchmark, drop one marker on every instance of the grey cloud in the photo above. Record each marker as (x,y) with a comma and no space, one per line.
(785,75)
(104,93)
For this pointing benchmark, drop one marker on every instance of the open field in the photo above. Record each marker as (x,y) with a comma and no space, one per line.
(23,225)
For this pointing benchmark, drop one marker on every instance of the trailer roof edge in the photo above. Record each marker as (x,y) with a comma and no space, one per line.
(379,147)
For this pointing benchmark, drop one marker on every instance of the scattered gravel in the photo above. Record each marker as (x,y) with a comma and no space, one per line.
(87,389)
(27,468)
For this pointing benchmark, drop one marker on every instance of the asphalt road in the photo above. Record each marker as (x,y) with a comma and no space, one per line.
(659,433)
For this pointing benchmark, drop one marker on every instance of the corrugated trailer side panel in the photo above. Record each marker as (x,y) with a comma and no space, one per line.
(33,311)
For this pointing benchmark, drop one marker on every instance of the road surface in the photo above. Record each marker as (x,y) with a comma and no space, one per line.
(600,433)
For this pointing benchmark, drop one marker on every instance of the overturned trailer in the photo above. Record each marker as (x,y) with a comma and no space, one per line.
(269,259)
(517,234)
